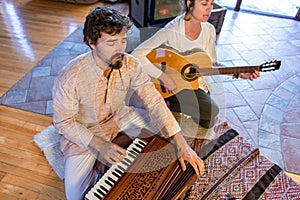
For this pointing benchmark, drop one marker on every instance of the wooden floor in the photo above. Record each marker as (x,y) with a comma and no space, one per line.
(24,171)
(29,30)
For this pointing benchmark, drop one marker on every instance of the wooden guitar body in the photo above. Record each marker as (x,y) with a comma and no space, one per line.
(185,68)
(178,62)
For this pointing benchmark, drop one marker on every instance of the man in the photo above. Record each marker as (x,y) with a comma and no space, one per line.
(89,103)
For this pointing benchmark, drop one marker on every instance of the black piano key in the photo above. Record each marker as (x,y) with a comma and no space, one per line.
(112,180)
(116,175)
(109,183)
(103,188)
(127,160)
(97,195)
(118,171)
(125,163)
(134,153)
(131,155)
(140,146)
(134,149)
(142,143)
(101,192)
(121,168)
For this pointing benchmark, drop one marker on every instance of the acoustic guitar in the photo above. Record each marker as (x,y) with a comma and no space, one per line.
(185,68)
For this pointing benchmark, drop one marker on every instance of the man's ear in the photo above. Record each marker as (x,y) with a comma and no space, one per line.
(91,44)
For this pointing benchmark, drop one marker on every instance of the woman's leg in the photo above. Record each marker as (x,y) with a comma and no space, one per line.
(197,104)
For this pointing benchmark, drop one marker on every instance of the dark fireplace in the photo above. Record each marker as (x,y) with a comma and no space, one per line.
(145,13)
(156,13)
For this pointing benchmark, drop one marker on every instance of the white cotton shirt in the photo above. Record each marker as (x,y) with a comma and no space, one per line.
(173,35)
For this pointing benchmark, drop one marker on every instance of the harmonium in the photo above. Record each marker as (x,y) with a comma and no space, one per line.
(150,170)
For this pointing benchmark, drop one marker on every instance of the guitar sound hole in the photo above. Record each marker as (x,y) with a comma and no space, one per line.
(189,72)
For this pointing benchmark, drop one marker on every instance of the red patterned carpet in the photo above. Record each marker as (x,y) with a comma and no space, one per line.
(236,170)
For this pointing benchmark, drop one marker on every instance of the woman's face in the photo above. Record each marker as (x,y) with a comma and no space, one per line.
(201,10)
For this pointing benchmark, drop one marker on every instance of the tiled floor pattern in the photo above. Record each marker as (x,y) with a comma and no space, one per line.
(265,112)
(287,8)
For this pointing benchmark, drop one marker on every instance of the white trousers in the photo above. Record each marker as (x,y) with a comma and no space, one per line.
(79,170)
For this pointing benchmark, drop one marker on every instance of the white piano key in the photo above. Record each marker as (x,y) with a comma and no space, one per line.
(91,195)
(105,186)
(123,166)
(131,159)
(137,146)
(106,182)
(102,183)
(97,194)
(112,176)
(100,192)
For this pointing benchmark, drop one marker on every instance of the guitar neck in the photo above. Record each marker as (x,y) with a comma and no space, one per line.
(228,70)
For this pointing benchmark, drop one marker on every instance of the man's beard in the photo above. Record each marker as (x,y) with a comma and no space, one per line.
(117,64)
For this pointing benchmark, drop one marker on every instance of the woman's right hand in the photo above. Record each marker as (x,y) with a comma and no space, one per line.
(169,84)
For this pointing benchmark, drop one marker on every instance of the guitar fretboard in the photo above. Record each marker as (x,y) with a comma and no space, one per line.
(227,70)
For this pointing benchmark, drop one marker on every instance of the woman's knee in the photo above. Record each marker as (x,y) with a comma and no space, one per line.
(207,119)
(215,109)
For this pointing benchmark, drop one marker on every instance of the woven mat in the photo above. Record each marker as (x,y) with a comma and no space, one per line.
(236,170)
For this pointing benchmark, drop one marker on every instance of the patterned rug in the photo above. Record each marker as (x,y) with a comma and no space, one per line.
(236,170)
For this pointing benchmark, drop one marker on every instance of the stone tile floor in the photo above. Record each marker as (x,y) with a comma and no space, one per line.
(287,8)
(265,112)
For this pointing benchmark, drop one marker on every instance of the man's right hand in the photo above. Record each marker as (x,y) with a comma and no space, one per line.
(107,151)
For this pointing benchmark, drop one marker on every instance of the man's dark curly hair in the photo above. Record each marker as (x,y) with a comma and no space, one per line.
(107,20)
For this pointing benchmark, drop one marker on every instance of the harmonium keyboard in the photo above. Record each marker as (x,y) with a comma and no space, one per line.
(150,170)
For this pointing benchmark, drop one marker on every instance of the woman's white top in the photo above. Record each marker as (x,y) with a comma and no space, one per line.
(173,35)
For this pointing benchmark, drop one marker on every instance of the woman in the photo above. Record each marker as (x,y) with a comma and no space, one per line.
(188,31)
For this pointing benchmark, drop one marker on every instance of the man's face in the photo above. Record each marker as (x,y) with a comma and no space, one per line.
(109,49)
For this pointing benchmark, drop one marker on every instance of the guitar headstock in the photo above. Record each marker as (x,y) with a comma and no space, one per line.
(270,65)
